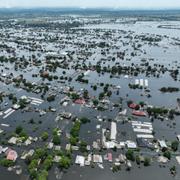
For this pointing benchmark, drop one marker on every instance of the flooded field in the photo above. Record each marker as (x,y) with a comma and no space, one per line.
(89,97)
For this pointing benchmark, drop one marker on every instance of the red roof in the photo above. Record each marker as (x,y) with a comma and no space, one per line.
(109,157)
(139,113)
(79,101)
(133,106)
(12,155)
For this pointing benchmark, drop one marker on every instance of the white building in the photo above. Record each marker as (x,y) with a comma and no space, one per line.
(113,131)
(131,145)
(162,144)
(80,160)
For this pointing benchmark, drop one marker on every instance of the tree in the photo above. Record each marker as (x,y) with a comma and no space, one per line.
(40,153)
(105,89)
(130,155)
(86,94)
(147,161)
(173,170)
(94,87)
(1,98)
(74,96)
(73,140)
(138,161)
(43,175)
(33,173)
(51,98)
(48,162)
(56,139)
(98,68)
(22,103)
(109,93)
(31,121)
(75,129)
(44,136)
(65,162)
(101,95)
(167,154)
(10,96)
(175,145)
(18,130)
(83,146)
(141,103)
(14,100)
(32,168)
(6,163)
(95,102)
(24,135)
(84,120)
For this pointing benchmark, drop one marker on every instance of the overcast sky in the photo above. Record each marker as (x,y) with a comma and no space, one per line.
(92,3)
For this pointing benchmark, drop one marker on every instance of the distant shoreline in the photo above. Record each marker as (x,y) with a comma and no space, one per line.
(89,9)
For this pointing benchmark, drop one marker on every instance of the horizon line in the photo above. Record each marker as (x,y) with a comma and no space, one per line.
(84,8)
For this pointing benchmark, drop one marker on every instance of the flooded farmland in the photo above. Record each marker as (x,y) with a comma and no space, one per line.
(90,96)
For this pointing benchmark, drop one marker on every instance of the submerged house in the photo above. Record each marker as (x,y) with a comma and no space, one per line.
(111,143)
(80,160)
(113,131)
(138,113)
(133,106)
(178,137)
(162,144)
(11,155)
(97,158)
(13,140)
(80,101)
(109,156)
(131,145)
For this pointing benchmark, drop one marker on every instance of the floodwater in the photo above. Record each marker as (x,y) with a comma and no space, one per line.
(148,27)
(164,130)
